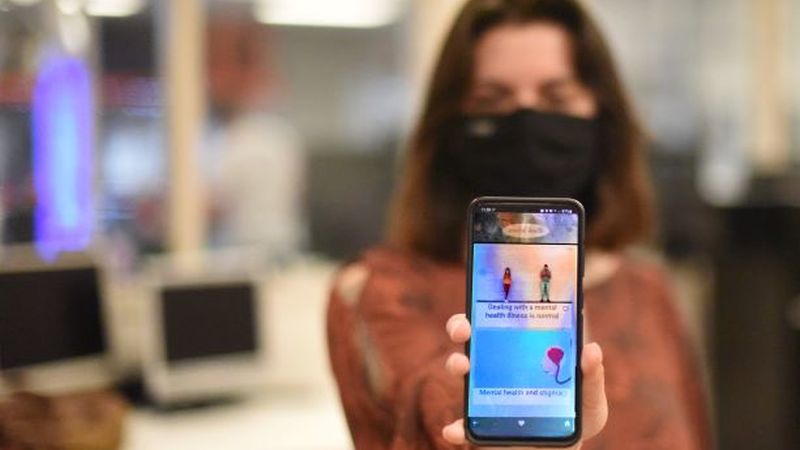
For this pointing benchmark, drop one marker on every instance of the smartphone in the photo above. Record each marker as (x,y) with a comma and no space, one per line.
(525,304)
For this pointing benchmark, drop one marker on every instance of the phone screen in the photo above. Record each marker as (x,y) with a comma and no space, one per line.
(524,306)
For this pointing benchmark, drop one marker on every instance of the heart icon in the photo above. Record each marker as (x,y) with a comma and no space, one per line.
(520,422)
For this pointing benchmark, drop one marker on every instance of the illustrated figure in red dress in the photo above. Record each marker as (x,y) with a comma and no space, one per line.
(507,282)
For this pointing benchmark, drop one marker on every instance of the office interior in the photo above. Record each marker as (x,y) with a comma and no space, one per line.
(132,175)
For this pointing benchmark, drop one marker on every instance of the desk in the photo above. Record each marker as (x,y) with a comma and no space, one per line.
(298,409)
(275,422)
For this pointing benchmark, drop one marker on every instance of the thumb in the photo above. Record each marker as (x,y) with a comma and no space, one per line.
(595,404)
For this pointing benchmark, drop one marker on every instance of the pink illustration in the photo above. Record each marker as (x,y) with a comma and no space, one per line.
(551,363)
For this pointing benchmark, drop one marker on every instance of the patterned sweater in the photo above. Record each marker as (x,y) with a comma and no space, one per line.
(388,347)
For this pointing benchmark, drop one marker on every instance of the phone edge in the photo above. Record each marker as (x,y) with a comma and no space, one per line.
(576,436)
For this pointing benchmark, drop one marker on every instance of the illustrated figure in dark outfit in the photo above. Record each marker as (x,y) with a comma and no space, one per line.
(544,284)
(507,282)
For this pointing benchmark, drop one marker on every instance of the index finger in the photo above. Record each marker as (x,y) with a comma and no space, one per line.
(458,328)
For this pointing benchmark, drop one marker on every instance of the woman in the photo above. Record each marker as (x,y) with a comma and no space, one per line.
(524,100)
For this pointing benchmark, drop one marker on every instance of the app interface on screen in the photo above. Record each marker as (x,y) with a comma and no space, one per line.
(524,311)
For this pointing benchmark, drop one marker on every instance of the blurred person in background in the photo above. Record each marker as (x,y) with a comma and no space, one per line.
(258,160)
(541,73)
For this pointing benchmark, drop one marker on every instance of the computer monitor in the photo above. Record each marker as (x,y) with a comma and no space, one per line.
(52,325)
(205,338)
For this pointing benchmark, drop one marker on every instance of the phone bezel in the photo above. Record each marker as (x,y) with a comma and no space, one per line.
(533,202)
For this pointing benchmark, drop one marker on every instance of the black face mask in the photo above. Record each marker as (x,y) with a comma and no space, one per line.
(527,153)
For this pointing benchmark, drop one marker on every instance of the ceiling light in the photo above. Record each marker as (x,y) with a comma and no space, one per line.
(113,8)
(25,2)
(328,13)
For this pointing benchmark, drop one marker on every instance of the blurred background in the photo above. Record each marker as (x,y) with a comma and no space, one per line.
(154,151)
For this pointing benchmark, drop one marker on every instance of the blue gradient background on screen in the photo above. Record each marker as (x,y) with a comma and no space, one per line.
(513,359)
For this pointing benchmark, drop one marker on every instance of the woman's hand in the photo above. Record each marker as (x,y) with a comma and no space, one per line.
(594,410)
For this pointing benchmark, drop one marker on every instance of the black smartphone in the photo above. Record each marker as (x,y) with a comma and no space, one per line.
(525,304)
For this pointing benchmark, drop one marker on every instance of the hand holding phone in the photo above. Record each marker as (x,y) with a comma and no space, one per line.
(594,408)
(525,306)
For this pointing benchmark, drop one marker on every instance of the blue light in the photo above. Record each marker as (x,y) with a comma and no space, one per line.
(62,132)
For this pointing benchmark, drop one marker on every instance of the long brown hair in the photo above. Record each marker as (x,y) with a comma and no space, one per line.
(428,217)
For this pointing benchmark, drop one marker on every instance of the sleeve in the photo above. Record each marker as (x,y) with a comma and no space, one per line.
(654,389)
(387,352)
(367,419)
(691,384)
